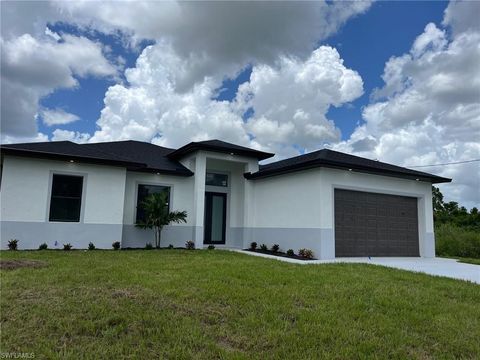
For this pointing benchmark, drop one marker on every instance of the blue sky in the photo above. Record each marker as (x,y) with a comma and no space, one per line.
(365,43)
(307,70)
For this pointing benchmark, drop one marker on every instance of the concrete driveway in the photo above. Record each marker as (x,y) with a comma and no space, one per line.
(437,266)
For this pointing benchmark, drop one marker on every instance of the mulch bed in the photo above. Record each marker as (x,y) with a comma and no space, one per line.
(281,254)
(21,263)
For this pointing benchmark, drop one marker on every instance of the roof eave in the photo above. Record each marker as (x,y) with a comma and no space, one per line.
(68,157)
(129,165)
(314,164)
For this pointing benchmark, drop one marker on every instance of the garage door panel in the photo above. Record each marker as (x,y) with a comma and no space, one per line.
(371,224)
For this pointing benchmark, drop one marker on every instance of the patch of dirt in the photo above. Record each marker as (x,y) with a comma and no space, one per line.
(124,293)
(12,264)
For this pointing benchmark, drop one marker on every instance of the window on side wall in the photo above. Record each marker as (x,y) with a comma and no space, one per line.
(214,179)
(66,198)
(143,192)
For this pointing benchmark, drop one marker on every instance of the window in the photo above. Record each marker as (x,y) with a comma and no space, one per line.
(143,192)
(214,179)
(66,200)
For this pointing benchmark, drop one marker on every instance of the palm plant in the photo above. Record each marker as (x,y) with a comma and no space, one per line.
(157,214)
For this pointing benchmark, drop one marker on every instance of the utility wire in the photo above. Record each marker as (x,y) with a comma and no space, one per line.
(451,163)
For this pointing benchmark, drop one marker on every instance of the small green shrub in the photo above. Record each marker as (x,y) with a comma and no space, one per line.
(170,246)
(91,246)
(148,246)
(290,252)
(13,244)
(306,253)
(452,240)
(275,248)
(116,245)
(263,247)
(253,246)
(67,247)
(211,247)
(190,245)
(43,246)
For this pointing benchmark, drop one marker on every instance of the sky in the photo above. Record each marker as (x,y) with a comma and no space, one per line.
(393,81)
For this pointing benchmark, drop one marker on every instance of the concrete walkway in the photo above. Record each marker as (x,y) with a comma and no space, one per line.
(437,266)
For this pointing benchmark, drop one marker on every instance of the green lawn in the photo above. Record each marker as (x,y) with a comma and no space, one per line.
(469,261)
(219,304)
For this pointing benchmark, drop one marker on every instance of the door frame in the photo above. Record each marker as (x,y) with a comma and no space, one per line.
(208,217)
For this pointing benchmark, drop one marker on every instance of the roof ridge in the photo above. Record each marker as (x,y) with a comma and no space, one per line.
(297,156)
(131,141)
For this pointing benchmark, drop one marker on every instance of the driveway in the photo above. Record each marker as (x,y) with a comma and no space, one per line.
(437,266)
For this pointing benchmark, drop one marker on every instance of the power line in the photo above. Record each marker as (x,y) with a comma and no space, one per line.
(450,163)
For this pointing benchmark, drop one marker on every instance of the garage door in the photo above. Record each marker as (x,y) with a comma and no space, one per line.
(370,224)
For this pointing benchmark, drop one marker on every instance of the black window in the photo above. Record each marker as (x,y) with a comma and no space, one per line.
(66,200)
(143,192)
(214,179)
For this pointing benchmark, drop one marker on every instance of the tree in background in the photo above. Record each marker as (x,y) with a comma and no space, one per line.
(451,212)
(157,215)
(457,230)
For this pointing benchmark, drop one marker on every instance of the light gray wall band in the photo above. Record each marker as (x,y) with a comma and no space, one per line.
(32,234)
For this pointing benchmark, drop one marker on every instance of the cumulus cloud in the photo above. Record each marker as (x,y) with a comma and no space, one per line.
(32,68)
(208,41)
(289,101)
(220,37)
(67,135)
(57,117)
(428,112)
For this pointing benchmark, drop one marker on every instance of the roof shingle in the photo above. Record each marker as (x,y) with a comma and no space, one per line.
(335,159)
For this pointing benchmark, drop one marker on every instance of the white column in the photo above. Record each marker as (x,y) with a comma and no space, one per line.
(199,198)
(248,204)
(425,225)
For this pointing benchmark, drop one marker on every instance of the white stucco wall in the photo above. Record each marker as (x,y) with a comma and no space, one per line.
(286,211)
(297,210)
(25,198)
(181,199)
(288,201)
(181,191)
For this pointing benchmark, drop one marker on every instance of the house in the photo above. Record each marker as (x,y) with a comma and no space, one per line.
(333,203)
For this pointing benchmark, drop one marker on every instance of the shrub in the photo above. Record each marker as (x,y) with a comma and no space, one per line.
(13,244)
(263,247)
(43,246)
(67,247)
(275,248)
(211,247)
(170,246)
(306,253)
(148,246)
(91,246)
(116,245)
(290,252)
(190,245)
(452,240)
(253,246)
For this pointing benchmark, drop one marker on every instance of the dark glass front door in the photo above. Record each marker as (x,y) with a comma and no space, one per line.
(215,218)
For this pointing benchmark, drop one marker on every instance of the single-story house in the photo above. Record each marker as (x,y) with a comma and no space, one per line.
(330,202)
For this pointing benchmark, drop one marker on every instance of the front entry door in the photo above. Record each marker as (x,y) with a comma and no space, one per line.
(215,218)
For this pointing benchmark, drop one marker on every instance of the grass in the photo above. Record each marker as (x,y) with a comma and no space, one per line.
(219,304)
(455,241)
(468,261)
